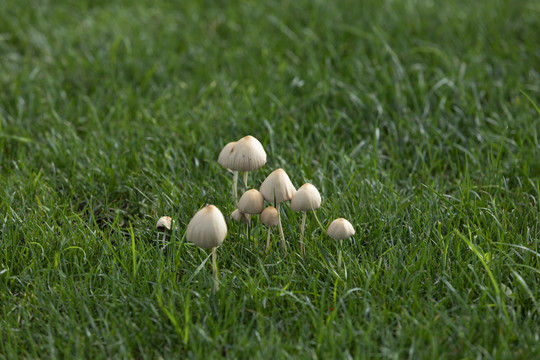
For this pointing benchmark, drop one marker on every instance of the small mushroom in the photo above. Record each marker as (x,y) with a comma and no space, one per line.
(240,217)
(269,217)
(251,202)
(223,160)
(246,155)
(207,229)
(164,223)
(307,198)
(277,187)
(340,229)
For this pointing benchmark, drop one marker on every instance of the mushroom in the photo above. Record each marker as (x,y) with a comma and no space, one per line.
(277,187)
(340,229)
(307,198)
(269,217)
(207,229)
(251,202)
(164,223)
(240,217)
(223,160)
(246,155)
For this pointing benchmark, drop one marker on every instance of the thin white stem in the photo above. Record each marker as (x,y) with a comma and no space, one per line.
(283,243)
(235,187)
(247,229)
(302,229)
(164,236)
(214,267)
(268,239)
(303,226)
(339,255)
(245,180)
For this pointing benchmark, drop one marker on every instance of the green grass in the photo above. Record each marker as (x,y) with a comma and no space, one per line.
(416,120)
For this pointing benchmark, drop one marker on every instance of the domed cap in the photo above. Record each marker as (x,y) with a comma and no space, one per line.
(306,198)
(225,154)
(164,222)
(240,217)
(340,229)
(246,155)
(207,229)
(270,216)
(251,202)
(278,184)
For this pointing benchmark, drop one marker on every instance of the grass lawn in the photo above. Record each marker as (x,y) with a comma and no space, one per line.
(416,120)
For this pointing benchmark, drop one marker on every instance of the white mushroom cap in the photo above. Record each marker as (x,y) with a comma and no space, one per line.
(251,202)
(246,155)
(225,154)
(270,216)
(306,198)
(164,222)
(278,184)
(240,217)
(207,229)
(340,229)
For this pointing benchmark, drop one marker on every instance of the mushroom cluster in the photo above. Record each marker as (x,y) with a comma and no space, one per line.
(208,228)
(247,154)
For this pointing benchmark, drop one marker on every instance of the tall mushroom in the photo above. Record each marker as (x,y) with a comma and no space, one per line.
(246,155)
(306,198)
(340,229)
(207,229)
(223,160)
(269,217)
(277,187)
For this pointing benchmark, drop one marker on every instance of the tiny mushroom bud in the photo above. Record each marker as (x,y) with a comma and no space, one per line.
(240,217)
(340,229)
(269,217)
(251,202)
(164,222)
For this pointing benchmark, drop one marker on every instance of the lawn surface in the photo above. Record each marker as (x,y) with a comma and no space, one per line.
(416,120)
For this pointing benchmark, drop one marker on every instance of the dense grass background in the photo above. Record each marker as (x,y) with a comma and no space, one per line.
(411,117)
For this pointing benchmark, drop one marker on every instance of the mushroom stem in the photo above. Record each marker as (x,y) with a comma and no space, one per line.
(268,240)
(164,236)
(283,243)
(339,254)
(247,229)
(245,180)
(302,228)
(235,189)
(214,267)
